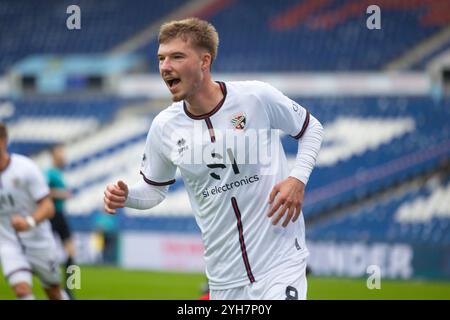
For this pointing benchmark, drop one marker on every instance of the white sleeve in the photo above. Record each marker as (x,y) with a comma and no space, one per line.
(144,196)
(283,113)
(295,120)
(156,167)
(37,184)
(308,150)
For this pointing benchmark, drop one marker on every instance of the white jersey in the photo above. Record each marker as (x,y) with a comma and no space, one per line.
(22,184)
(230,159)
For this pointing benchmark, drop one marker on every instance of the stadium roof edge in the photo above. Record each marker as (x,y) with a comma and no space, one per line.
(302,84)
(292,84)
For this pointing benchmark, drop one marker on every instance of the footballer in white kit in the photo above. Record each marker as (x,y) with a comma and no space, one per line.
(229,196)
(232,162)
(22,253)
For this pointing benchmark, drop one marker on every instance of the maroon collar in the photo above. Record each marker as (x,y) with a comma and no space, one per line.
(213,111)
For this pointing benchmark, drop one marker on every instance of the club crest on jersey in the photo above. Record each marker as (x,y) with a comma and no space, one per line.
(238,120)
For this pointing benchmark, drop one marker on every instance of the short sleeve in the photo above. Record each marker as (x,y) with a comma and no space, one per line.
(37,184)
(284,114)
(156,167)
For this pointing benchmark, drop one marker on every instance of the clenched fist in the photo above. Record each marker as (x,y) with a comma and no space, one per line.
(115,196)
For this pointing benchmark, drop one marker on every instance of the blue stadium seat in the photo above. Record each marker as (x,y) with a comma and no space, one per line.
(382,223)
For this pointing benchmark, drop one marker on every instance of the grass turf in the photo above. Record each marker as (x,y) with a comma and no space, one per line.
(114,283)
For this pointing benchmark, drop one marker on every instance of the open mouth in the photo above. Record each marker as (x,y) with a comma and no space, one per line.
(172,82)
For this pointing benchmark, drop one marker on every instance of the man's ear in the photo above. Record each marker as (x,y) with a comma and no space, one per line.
(206,61)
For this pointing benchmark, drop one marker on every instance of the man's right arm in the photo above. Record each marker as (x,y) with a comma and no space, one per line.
(140,196)
(157,172)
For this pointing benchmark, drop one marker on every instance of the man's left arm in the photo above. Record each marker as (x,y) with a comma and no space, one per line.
(291,191)
(286,197)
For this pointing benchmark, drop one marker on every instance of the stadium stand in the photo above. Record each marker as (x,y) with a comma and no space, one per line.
(44,23)
(38,122)
(358,158)
(306,30)
(419,216)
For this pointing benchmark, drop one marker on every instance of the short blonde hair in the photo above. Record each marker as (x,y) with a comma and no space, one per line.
(200,32)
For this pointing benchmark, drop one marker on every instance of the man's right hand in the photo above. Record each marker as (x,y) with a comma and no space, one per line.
(115,196)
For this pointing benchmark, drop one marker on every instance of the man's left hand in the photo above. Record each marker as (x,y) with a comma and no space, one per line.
(290,200)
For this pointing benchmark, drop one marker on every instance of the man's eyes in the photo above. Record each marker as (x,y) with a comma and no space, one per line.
(175,57)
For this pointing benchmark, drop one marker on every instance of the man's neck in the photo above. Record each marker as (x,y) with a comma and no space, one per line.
(205,100)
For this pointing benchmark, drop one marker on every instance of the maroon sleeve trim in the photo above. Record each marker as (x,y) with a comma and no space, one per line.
(305,125)
(157,184)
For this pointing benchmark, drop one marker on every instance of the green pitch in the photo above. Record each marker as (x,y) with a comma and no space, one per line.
(114,283)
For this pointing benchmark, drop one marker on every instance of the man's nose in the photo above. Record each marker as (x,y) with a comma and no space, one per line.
(165,65)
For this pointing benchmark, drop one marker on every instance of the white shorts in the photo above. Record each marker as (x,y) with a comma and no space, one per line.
(19,264)
(287,284)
